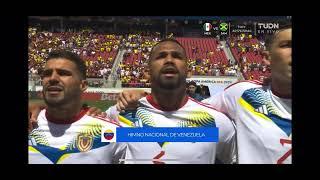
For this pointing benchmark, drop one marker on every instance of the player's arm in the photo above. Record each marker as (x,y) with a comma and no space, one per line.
(217,101)
(128,99)
(94,111)
(223,102)
(33,113)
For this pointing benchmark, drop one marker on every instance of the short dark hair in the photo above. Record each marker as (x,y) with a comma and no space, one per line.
(167,40)
(270,38)
(192,83)
(70,56)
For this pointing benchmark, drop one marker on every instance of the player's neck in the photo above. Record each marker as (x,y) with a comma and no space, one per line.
(169,100)
(64,113)
(281,89)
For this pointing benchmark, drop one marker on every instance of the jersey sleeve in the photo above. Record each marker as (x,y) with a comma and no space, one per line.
(219,102)
(226,101)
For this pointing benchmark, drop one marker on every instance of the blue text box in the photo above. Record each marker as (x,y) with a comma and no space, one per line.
(161,134)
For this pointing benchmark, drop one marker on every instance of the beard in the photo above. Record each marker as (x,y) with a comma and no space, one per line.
(282,75)
(54,101)
(64,97)
(169,83)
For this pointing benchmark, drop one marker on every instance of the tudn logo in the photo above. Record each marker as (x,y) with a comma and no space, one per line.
(108,134)
(268,25)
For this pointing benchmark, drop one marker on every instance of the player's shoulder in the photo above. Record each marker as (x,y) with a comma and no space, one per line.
(206,106)
(146,99)
(244,84)
(239,87)
(221,120)
(195,102)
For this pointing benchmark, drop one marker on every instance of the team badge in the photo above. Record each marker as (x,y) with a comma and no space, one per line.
(84,142)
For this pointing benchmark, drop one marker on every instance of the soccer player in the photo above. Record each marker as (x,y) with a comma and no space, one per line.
(65,134)
(168,105)
(261,111)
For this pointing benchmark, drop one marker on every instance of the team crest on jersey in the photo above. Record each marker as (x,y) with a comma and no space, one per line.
(84,142)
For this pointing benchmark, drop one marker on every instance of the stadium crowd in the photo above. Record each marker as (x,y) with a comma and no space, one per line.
(247,50)
(100,50)
(133,68)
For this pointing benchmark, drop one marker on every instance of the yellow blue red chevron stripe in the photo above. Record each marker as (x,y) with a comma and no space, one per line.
(254,98)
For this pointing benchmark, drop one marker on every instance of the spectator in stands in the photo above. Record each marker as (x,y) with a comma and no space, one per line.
(33,71)
(197,49)
(217,72)
(193,48)
(191,91)
(218,48)
(204,92)
(198,61)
